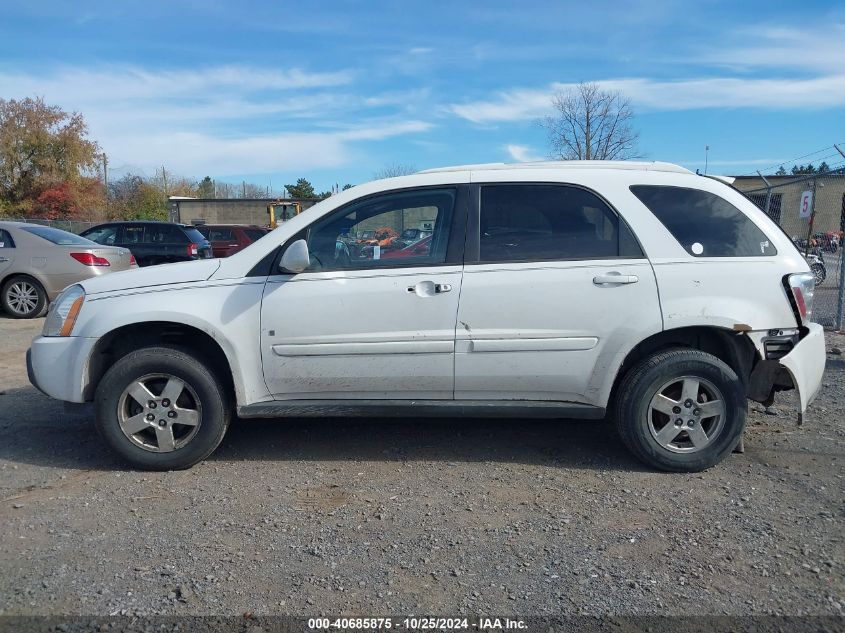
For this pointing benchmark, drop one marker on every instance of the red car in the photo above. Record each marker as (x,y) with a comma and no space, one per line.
(417,249)
(228,239)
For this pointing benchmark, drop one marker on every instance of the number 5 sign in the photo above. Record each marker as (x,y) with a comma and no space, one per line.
(806,207)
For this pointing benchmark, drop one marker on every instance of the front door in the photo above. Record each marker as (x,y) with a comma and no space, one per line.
(373,317)
(555,288)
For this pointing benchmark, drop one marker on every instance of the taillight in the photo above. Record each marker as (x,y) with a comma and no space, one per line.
(193,249)
(132,261)
(89,259)
(802,286)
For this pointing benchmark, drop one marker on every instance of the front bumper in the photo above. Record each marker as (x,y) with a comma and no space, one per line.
(805,364)
(58,366)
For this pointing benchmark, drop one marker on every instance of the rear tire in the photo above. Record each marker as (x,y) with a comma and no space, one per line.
(23,298)
(681,410)
(160,408)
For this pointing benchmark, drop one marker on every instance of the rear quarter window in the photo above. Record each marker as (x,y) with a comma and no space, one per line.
(194,235)
(705,224)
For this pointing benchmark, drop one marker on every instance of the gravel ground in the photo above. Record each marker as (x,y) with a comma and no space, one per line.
(421,516)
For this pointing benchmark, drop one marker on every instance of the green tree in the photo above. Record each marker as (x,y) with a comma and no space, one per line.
(781,171)
(205,188)
(302,189)
(823,168)
(41,146)
(800,170)
(347,186)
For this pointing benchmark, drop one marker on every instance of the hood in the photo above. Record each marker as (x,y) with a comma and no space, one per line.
(161,275)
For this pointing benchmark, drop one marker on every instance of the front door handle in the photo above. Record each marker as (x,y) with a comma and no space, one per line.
(429,288)
(4,259)
(615,278)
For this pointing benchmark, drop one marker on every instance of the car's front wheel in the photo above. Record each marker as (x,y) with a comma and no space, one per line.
(161,409)
(681,410)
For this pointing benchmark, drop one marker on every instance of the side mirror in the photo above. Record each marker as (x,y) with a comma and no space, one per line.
(296,257)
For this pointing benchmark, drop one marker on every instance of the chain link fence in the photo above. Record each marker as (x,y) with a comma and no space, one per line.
(72,226)
(811,209)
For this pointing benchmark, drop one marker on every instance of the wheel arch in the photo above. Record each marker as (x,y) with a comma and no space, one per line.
(129,337)
(734,348)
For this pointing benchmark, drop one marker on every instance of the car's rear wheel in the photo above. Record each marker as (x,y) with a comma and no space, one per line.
(23,298)
(681,410)
(161,409)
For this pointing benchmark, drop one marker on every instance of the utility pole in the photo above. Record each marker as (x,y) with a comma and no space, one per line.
(706,156)
(106,173)
(164,179)
(243,184)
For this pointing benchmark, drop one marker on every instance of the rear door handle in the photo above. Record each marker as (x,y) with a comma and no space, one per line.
(4,259)
(615,278)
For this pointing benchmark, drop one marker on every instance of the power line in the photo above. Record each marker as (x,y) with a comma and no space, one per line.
(794,160)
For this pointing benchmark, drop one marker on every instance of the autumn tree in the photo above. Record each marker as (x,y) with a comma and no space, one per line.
(590,124)
(41,147)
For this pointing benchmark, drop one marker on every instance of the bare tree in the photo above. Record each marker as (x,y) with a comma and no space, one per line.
(591,124)
(394,169)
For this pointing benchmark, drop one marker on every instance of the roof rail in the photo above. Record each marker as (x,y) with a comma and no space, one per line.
(567,164)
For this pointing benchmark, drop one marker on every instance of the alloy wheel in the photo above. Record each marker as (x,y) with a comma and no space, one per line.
(160,413)
(686,414)
(22,297)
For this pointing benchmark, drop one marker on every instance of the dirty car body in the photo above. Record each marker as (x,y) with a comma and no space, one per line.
(551,289)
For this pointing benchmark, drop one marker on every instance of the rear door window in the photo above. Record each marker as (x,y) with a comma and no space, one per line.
(220,235)
(6,239)
(703,223)
(540,222)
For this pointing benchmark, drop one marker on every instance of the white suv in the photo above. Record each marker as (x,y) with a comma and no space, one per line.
(636,291)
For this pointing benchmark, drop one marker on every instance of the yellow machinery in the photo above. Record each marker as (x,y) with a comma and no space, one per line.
(281,210)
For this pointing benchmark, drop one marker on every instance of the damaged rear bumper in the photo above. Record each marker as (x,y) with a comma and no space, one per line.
(801,369)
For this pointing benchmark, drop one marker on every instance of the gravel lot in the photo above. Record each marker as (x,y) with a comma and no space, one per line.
(420,516)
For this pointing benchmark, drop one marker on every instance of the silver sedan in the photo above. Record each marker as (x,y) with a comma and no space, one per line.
(37,262)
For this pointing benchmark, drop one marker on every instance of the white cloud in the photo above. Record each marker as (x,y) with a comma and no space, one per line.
(648,94)
(820,47)
(522,154)
(224,120)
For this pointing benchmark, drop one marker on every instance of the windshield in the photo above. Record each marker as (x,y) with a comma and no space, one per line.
(57,236)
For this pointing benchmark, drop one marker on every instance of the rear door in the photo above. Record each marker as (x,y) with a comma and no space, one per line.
(131,236)
(555,288)
(223,240)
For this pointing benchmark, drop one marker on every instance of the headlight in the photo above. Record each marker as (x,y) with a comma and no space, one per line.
(63,312)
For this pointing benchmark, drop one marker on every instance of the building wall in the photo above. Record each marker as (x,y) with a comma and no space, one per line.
(225,211)
(786,198)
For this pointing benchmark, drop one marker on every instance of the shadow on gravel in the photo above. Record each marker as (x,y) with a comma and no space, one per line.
(37,430)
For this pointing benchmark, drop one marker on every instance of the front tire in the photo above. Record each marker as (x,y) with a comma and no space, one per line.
(160,408)
(681,410)
(23,298)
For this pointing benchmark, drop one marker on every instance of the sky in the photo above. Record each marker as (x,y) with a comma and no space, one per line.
(334,91)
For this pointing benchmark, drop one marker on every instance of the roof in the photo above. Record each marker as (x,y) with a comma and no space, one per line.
(567,164)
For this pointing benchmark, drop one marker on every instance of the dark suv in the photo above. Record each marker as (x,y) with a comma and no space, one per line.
(153,242)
